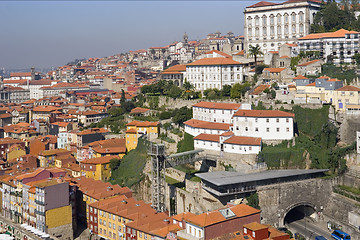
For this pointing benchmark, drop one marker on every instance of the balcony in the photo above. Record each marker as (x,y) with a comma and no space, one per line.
(39,213)
(39,202)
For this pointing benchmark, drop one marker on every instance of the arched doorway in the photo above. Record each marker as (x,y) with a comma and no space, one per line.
(299,212)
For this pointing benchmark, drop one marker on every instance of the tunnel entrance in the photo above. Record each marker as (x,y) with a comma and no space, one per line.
(299,212)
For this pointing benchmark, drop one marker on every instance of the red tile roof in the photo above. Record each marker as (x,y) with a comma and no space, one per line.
(216,105)
(214,217)
(213,61)
(349,88)
(274,70)
(207,137)
(262,4)
(263,113)
(308,63)
(143,124)
(219,52)
(239,140)
(207,125)
(338,34)
(260,89)
(139,110)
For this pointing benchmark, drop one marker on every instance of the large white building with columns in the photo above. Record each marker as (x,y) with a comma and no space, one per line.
(272,24)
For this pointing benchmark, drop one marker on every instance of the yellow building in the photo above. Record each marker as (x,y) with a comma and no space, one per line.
(97,168)
(135,129)
(108,217)
(47,157)
(344,97)
(58,217)
(15,151)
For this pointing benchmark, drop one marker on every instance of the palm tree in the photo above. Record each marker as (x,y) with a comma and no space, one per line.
(255,51)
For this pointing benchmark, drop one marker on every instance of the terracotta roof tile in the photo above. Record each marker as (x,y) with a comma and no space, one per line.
(239,140)
(349,88)
(207,125)
(213,61)
(263,113)
(208,137)
(338,34)
(216,105)
(309,63)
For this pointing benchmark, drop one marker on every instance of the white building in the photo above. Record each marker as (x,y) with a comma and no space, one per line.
(35,87)
(195,127)
(215,72)
(272,24)
(341,45)
(265,124)
(215,112)
(228,143)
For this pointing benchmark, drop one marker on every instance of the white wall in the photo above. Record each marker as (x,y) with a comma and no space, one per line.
(196,131)
(207,145)
(213,115)
(204,77)
(241,149)
(281,128)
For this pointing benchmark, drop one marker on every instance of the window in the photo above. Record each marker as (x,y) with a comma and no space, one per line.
(246,129)
(288,129)
(267,129)
(293,29)
(301,16)
(257,32)
(140,234)
(249,32)
(293,17)
(279,30)
(272,19)
(264,31)
(277,129)
(256,20)
(256,120)
(287,120)
(250,148)
(286,31)
(101,230)
(279,19)
(277,120)
(264,20)
(256,129)
(267,120)
(286,18)
(272,31)
(100,221)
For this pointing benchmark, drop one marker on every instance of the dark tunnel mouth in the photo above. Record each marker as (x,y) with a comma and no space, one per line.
(298,213)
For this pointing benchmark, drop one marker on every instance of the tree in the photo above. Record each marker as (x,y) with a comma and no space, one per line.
(174,92)
(188,86)
(356,57)
(255,51)
(114,164)
(235,91)
(226,90)
(181,115)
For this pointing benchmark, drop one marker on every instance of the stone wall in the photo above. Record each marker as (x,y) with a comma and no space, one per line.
(65,231)
(337,210)
(277,200)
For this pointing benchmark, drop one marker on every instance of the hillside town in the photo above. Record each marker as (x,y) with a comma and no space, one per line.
(227,137)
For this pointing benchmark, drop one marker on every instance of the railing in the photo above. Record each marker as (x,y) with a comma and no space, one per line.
(39,213)
(39,202)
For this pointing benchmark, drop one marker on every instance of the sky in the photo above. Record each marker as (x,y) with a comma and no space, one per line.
(47,34)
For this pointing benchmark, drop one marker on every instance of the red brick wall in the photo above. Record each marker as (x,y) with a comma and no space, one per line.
(232,225)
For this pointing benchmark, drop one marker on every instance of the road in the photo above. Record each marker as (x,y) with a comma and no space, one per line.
(308,229)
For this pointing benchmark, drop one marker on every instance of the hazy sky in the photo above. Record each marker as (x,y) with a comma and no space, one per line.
(51,33)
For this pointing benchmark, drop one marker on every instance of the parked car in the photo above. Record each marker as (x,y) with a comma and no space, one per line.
(320,238)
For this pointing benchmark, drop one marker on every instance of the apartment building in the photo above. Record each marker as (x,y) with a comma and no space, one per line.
(271,25)
(216,223)
(228,143)
(340,46)
(214,72)
(136,129)
(97,168)
(215,112)
(265,124)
